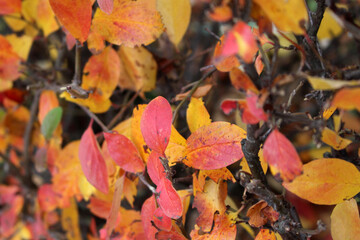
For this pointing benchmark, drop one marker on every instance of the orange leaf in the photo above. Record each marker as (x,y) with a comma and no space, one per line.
(92,161)
(48,198)
(74,15)
(48,101)
(345,221)
(334,140)
(217,174)
(224,63)
(171,234)
(214,146)
(265,234)
(261,213)
(259,65)
(240,40)
(323,183)
(197,115)
(156,124)
(241,80)
(8,7)
(106,5)
(131,23)
(221,13)
(209,201)
(124,152)
(201,91)
(9,64)
(281,156)
(169,200)
(347,98)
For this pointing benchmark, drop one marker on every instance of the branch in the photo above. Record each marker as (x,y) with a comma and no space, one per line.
(93,116)
(146,183)
(77,75)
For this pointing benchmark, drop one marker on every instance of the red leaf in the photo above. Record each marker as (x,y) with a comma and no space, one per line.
(147,215)
(9,7)
(92,162)
(74,15)
(156,124)
(228,106)
(106,5)
(155,168)
(282,156)
(124,152)
(161,220)
(169,200)
(48,198)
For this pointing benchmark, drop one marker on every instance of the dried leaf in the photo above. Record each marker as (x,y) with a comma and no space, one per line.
(261,213)
(214,146)
(92,161)
(345,221)
(74,15)
(171,12)
(197,115)
(281,156)
(156,124)
(323,183)
(131,23)
(124,152)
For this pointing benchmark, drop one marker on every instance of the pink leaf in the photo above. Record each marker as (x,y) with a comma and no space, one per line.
(169,200)
(161,220)
(155,168)
(156,124)
(106,5)
(227,106)
(124,152)
(147,215)
(92,161)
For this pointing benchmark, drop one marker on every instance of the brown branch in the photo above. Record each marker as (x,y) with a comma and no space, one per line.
(77,75)
(93,116)
(146,183)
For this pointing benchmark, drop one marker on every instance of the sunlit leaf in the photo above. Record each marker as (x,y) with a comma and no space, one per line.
(46,18)
(347,98)
(214,146)
(124,152)
(171,12)
(74,15)
(50,122)
(281,156)
(106,5)
(156,124)
(197,115)
(8,7)
(92,161)
(345,221)
(131,23)
(330,84)
(322,182)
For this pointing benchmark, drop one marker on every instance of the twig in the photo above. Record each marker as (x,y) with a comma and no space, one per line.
(264,56)
(93,116)
(146,183)
(212,34)
(292,95)
(28,131)
(122,111)
(77,75)
(176,112)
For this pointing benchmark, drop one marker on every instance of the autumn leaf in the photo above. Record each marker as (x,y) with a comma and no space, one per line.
(209,201)
(131,23)
(92,161)
(245,167)
(45,18)
(172,234)
(224,63)
(323,183)
(329,27)
(106,5)
(161,220)
(330,84)
(287,15)
(101,74)
(48,198)
(197,115)
(70,221)
(261,213)
(155,168)
(334,140)
(345,221)
(281,156)
(222,13)
(9,64)
(124,152)
(156,124)
(265,234)
(21,45)
(75,16)
(169,200)
(214,146)
(47,102)
(347,98)
(147,213)
(8,7)
(241,81)
(171,12)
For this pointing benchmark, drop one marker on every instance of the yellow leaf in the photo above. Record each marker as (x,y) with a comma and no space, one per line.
(131,23)
(137,70)
(328,112)
(197,115)
(46,18)
(345,221)
(176,147)
(176,17)
(86,189)
(70,221)
(329,27)
(285,14)
(326,181)
(333,139)
(20,45)
(330,84)
(124,128)
(15,22)
(245,167)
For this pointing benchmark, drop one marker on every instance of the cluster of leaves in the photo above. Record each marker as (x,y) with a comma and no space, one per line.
(293,108)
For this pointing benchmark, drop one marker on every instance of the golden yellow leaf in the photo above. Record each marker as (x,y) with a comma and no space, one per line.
(175,15)
(334,140)
(330,84)
(131,23)
(46,18)
(326,181)
(328,112)
(20,45)
(15,22)
(285,14)
(70,221)
(197,115)
(176,147)
(345,221)
(329,27)
(245,167)
(137,70)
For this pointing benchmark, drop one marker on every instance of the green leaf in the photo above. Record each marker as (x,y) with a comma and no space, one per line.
(51,121)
